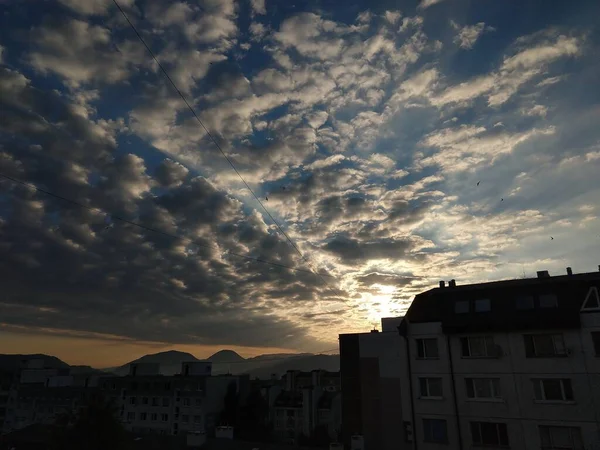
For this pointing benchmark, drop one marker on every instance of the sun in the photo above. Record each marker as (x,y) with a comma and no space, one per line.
(381,304)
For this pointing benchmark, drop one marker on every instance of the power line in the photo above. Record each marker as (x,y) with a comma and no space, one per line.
(154,230)
(209,134)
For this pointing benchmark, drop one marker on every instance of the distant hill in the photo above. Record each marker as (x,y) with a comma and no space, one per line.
(52,362)
(306,362)
(170,362)
(225,356)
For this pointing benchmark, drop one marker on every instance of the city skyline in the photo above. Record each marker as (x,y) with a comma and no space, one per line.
(391,145)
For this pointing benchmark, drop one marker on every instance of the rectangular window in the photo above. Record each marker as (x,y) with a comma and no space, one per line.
(154,417)
(524,302)
(560,438)
(548,301)
(154,401)
(143,416)
(483,388)
(144,400)
(489,434)
(544,345)
(186,402)
(434,430)
(461,307)
(185,418)
(552,389)
(165,401)
(198,402)
(596,342)
(130,416)
(164,417)
(427,348)
(431,387)
(132,400)
(479,347)
(197,419)
(483,305)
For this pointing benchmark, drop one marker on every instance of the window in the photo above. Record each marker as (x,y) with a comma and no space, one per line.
(596,342)
(165,401)
(483,305)
(185,418)
(143,416)
(552,389)
(130,416)
(483,388)
(544,345)
(489,433)
(167,386)
(524,302)
(186,402)
(198,402)
(563,438)
(132,400)
(427,348)
(434,430)
(154,417)
(479,347)
(592,300)
(461,307)
(197,419)
(431,387)
(164,417)
(144,400)
(548,301)
(154,401)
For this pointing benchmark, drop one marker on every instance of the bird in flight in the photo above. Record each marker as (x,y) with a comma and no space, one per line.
(551,238)
(478,183)
(267,198)
(501,199)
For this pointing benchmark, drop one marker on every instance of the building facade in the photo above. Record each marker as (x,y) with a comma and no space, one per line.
(170,405)
(505,364)
(374,392)
(305,402)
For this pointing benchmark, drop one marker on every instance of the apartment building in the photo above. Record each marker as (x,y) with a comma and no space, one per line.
(148,402)
(374,392)
(39,395)
(306,401)
(504,364)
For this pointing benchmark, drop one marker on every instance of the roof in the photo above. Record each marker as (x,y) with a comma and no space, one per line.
(437,305)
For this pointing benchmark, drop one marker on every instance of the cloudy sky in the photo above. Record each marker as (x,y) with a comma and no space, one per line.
(391,144)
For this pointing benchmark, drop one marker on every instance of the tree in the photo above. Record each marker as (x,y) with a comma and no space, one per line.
(254,418)
(229,415)
(94,427)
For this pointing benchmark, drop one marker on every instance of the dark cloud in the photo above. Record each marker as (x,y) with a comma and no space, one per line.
(352,251)
(170,173)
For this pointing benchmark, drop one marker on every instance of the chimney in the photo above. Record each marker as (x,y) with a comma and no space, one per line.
(443,284)
(569,271)
(452,283)
(543,274)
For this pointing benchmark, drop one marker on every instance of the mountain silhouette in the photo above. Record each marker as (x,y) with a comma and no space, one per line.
(225,356)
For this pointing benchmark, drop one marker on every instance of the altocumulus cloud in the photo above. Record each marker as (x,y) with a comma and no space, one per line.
(367,133)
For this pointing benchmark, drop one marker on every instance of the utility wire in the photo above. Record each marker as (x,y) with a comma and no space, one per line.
(144,227)
(209,134)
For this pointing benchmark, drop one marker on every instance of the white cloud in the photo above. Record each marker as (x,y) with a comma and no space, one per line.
(392,16)
(258,6)
(258,31)
(81,53)
(543,54)
(427,3)
(94,7)
(468,35)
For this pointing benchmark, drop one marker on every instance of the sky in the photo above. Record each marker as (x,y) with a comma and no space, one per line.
(330,161)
